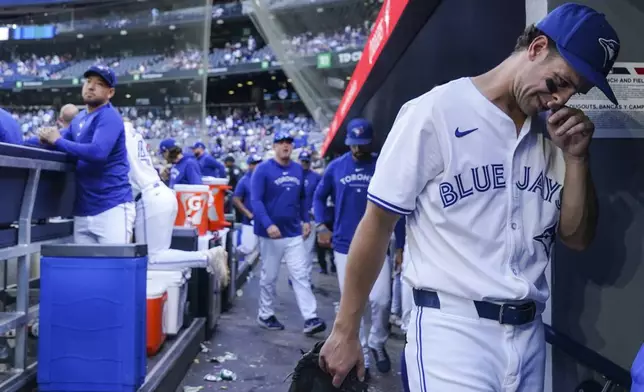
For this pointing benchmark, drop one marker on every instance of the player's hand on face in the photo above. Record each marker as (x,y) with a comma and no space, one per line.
(273,232)
(339,355)
(306,230)
(571,130)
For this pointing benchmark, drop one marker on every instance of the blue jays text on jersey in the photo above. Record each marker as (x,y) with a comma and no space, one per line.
(346,181)
(488,178)
(97,139)
(278,198)
(242,191)
(186,171)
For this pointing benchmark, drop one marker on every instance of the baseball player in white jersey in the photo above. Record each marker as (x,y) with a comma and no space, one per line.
(156,210)
(486,184)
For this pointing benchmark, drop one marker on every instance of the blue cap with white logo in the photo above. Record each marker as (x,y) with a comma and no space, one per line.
(305,156)
(166,144)
(104,72)
(254,158)
(359,132)
(586,41)
(198,145)
(282,136)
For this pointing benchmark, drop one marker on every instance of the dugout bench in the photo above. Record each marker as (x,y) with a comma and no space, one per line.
(38,190)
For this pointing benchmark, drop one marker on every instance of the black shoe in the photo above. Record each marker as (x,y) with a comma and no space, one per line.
(383,363)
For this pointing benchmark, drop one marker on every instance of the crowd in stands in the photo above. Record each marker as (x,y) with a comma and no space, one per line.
(225,132)
(64,66)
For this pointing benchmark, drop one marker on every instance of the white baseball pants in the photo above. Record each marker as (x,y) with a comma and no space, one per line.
(309,248)
(113,226)
(379,301)
(292,251)
(248,239)
(155,215)
(452,349)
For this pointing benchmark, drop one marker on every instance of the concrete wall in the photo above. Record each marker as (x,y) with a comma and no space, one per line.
(598,294)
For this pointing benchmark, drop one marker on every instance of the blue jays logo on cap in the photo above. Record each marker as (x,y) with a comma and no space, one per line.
(305,156)
(166,144)
(359,132)
(282,136)
(104,72)
(586,40)
(254,158)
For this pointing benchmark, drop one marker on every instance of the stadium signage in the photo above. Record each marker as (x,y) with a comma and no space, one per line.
(152,76)
(338,59)
(385,23)
(349,57)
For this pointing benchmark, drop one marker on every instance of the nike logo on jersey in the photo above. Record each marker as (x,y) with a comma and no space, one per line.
(359,170)
(458,133)
(485,178)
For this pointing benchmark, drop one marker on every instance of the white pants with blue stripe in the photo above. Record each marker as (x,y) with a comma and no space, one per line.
(155,214)
(452,349)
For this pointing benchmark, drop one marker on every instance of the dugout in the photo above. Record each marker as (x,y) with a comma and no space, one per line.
(596,326)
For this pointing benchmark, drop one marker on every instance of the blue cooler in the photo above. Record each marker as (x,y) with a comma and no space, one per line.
(92,318)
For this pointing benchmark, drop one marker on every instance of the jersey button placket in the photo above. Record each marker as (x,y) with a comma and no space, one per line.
(515,214)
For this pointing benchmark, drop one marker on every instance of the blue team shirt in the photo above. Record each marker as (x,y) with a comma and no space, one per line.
(242,191)
(97,140)
(311,181)
(346,181)
(185,172)
(10,131)
(210,167)
(278,197)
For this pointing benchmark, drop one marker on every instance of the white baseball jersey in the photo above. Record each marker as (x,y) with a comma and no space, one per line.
(142,172)
(483,204)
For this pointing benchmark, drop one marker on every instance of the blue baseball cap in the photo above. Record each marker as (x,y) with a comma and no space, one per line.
(104,72)
(359,132)
(282,136)
(254,158)
(305,156)
(586,41)
(198,145)
(166,144)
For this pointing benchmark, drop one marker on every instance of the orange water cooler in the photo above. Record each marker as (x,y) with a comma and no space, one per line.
(193,207)
(217,189)
(156,307)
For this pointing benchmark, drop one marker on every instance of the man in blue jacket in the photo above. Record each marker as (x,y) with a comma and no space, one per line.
(311,181)
(281,221)
(346,180)
(185,170)
(210,167)
(104,210)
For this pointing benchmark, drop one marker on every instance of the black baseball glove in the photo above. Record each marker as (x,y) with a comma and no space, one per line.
(308,377)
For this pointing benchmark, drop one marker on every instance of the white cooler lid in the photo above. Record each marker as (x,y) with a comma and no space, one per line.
(214,181)
(191,188)
(155,289)
(176,277)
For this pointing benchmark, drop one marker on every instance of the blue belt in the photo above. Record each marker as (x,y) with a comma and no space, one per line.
(140,195)
(511,314)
